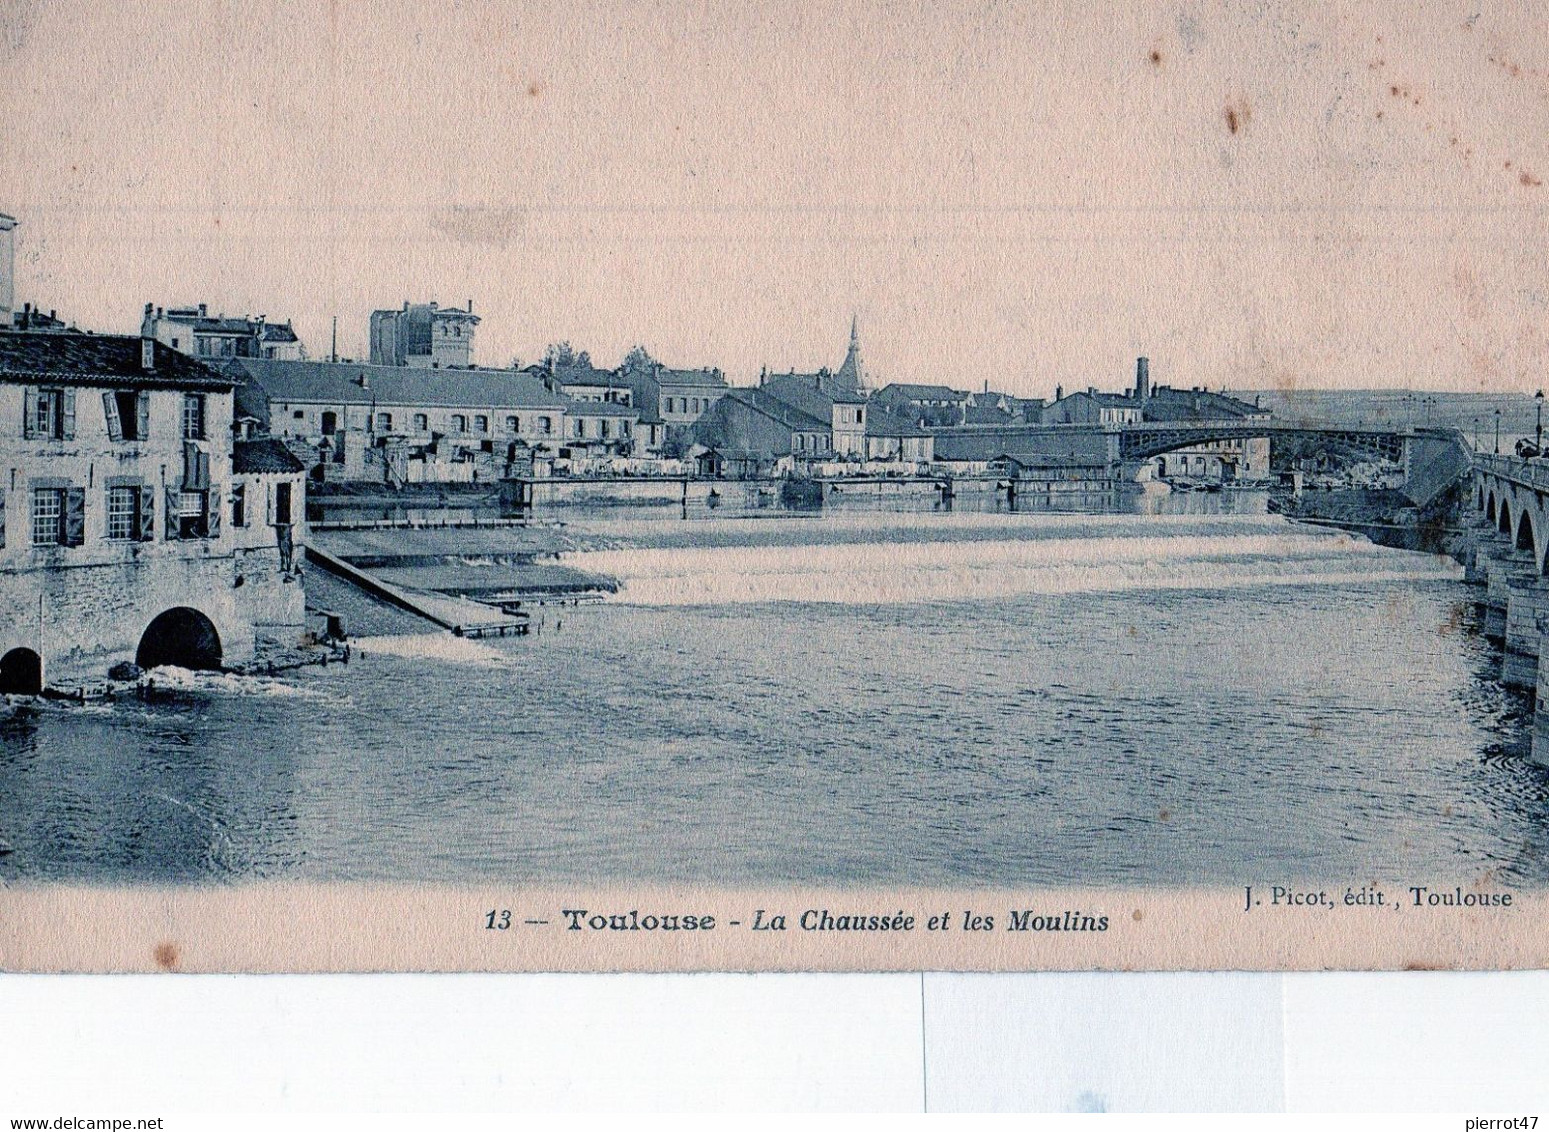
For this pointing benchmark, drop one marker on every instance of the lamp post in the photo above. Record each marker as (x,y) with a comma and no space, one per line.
(1538,430)
(1476,434)
(1497,432)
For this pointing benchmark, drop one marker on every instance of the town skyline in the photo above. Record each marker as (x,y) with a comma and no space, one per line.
(1255,198)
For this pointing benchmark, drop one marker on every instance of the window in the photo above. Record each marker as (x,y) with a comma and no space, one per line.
(58,515)
(174,343)
(190,514)
(128,414)
(282,504)
(384,422)
(459,423)
(193,416)
(421,422)
(545,425)
(603,430)
(48,508)
(239,505)
(481,424)
(123,513)
(299,415)
(513,424)
(330,422)
(49,414)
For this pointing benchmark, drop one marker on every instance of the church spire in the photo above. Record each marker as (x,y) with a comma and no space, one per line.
(853,373)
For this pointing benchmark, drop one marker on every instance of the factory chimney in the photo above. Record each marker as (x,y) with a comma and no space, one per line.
(1142,378)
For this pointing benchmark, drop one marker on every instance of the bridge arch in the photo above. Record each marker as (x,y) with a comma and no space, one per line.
(180,636)
(1503,519)
(1489,507)
(21,673)
(1525,540)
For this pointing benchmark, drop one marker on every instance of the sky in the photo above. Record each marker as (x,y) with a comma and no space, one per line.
(1253,194)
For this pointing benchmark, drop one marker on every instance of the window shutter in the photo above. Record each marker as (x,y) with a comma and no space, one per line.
(196,467)
(269,505)
(67,420)
(142,413)
(147,514)
(212,514)
(110,411)
(74,528)
(30,415)
(170,520)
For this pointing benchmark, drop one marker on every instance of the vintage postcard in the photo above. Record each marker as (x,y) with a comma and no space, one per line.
(803,486)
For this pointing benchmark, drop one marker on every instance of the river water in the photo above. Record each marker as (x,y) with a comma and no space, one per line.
(850,698)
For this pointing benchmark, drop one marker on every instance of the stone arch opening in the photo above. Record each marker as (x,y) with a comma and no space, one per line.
(183,637)
(1525,533)
(21,673)
(1504,519)
(1489,508)
(1480,505)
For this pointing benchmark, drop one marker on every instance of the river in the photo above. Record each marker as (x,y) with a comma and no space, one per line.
(857,697)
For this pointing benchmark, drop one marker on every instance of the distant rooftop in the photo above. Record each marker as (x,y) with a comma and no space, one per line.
(263,455)
(356,383)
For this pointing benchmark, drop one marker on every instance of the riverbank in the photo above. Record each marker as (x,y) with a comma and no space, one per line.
(1387,517)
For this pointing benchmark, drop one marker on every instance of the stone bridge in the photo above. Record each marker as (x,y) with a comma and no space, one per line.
(1509,555)
(1433,458)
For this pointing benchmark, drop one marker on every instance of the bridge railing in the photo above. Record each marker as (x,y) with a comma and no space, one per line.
(1532,472)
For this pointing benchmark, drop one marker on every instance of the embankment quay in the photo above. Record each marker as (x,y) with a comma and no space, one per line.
(1508,555)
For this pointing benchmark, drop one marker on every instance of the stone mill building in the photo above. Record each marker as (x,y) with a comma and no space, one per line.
(133,527)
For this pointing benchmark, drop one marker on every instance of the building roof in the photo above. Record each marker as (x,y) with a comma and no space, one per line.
(773,407)
(340,383)
(241,327)
(904,391)
(881,421)
(987,415)
(589,376)
(814,394)
(1169,404)
(428,310)
(666,375)
(265,454)
(1107,400)
(75,358)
